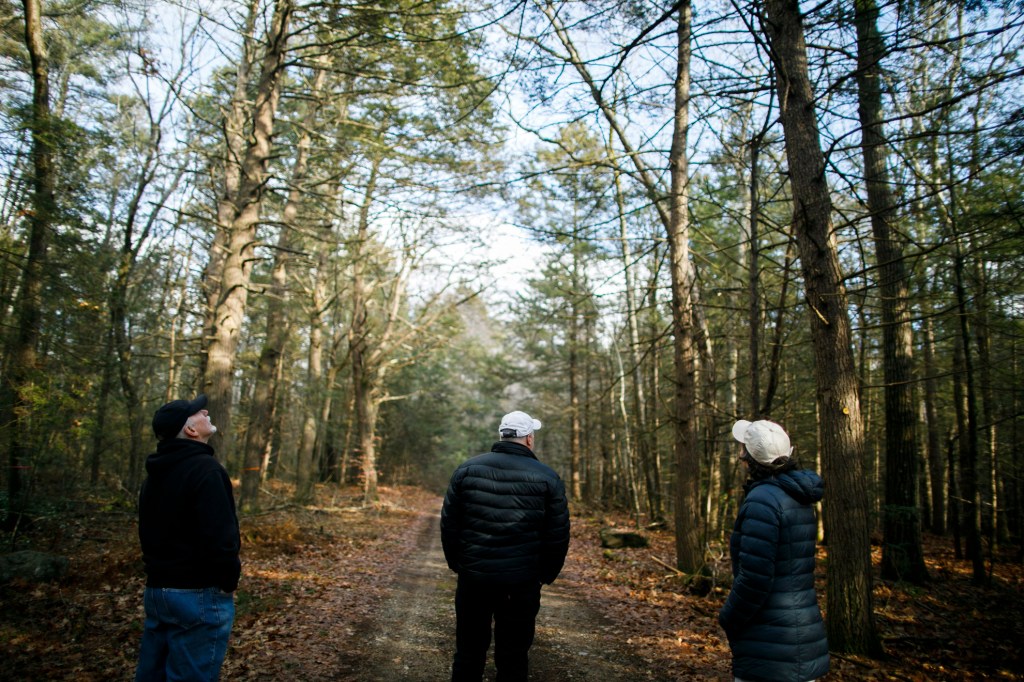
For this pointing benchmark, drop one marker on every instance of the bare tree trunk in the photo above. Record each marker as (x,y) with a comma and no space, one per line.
(989,489)
(775,360)
(575,491)
(689,550)
(934,456)
(326,451)
(902,554)
(851,626)
(643,431)
(242,211)
(967,429)
(362,382)
(754,277)
(632,481)
(22,360)
(266,387)
(234,149)
(314,382)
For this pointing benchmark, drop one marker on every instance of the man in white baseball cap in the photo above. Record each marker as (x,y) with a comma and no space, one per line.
(517,425)
(505,531)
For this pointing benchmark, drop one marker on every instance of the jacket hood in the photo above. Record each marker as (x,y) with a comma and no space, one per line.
(171,452)
(803,485)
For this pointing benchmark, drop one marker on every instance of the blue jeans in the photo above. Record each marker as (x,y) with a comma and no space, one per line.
(186,634)
(514,611)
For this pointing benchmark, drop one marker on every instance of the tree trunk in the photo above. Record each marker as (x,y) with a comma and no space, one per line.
(778,338)
(689,550)
(242,211)
(967,430)
(902,554)
(754,279)
(326,450)
(314,382)
(265,392)
(642,431)
(575,492)
(362,383)
(850,623)
(982,320)
(22,360)
(234,149)
(934,455)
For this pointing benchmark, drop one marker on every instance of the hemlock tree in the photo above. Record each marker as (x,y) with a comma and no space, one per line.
(902,555)
(851,626)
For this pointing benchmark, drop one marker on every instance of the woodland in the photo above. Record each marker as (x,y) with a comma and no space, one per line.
(367,230)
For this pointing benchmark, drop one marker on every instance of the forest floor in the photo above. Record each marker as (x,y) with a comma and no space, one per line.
(342,592)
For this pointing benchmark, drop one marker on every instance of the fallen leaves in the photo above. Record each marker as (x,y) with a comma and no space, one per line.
(313,575)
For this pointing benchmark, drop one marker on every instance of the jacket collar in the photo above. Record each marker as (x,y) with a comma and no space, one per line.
(510,448)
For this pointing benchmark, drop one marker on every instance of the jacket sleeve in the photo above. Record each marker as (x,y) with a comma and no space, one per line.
(754,571)
(555,539)
(451,519)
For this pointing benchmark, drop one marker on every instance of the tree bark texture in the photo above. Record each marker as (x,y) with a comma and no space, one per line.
(264,398)
(689,549)
(651,475)
(315,396)
(235,118)
(902,554)
(363,385)
(850,622)
(21,363)
(242,212)
(967,429)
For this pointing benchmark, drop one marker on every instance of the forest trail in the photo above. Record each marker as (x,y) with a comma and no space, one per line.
(413,634)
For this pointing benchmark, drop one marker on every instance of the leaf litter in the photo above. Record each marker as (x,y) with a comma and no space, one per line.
(339,591)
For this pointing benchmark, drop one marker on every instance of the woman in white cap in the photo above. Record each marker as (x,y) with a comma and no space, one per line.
(771,615)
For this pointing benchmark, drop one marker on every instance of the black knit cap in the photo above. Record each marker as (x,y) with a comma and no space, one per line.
(170,418)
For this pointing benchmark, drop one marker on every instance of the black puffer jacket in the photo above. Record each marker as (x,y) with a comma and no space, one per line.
(771,616)
(187,521)
(505,518)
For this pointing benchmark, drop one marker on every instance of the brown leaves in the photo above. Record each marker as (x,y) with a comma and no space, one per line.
(314,577)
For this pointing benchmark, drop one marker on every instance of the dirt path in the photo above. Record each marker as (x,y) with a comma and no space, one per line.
(412,636)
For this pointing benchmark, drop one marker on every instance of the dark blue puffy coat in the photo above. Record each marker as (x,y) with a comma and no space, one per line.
(771,616)
(505,518)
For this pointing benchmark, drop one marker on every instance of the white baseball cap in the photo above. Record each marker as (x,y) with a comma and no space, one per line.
(765,441)
(519,422)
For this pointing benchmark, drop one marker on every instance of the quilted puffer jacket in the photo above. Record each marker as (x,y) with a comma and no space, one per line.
(505,519)
(771,616)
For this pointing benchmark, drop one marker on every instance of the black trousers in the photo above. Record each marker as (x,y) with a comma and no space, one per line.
(514,610)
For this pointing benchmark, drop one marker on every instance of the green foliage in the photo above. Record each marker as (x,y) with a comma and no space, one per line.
(450,407)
